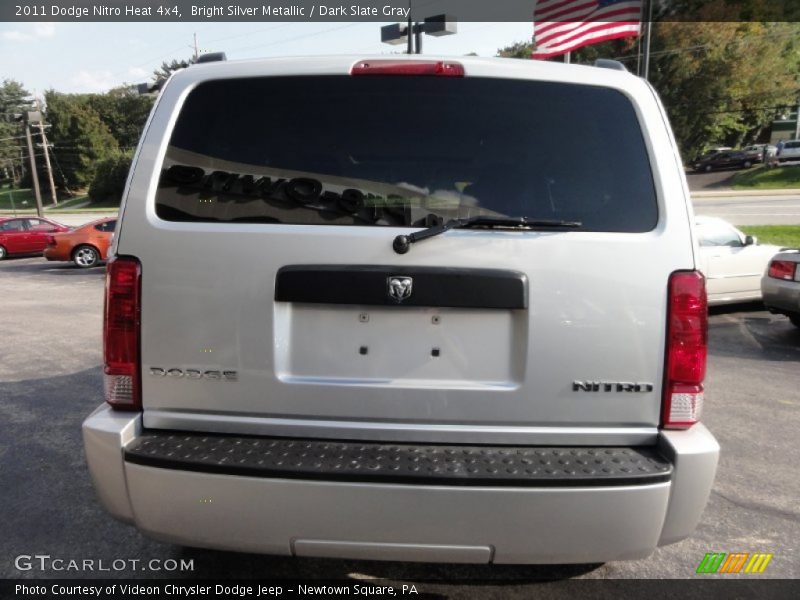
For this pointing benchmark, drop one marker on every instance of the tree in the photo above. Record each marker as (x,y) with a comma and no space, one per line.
(124,111)
(80,138)
(14,100)
(721,80)
(110,177)
(168,68)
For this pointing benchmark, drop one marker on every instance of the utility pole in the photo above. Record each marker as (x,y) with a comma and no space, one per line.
(196,53)
(34,174)
(47,159)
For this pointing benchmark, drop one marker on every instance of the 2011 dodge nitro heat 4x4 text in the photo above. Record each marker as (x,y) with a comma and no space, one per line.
(377,308)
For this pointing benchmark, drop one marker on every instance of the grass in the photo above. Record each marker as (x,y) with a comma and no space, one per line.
(22,199)
(25,203)
(762,178)
(780,235)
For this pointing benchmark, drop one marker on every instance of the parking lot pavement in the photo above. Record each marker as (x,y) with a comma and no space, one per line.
(50,379)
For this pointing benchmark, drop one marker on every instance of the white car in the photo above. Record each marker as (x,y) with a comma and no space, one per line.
(790,151)
(732,261)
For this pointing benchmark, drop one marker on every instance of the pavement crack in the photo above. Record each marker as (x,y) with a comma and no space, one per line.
(761,508)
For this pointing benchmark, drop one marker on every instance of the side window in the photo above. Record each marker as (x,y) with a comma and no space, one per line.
(108,226)
(37,225)
(15,225)
(716,234)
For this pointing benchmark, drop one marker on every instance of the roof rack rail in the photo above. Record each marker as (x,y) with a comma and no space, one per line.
(607,63)
(211,57)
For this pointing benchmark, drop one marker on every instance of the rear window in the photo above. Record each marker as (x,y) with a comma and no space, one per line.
(406,151)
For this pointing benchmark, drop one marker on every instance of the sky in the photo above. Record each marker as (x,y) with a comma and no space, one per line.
(94,57)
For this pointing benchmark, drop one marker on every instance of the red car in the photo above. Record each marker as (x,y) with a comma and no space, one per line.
(26,235)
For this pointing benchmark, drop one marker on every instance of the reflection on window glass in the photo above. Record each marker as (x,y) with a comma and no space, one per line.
(717,234)
(406,151)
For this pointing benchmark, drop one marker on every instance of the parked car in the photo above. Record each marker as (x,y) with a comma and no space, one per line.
(755,152)
(780,285)
(86,246)
(321,343)
(790,151)
(732,261)
(726,160)
(26,235)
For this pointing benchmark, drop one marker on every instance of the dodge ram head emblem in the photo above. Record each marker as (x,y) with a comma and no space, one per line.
(399,288)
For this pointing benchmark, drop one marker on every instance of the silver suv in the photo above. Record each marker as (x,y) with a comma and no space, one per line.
(378,308)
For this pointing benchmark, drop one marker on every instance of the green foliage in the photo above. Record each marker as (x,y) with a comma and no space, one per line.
(167,68)
(14,99)
(110,176)
(16,198)
(722,78)
(516,50)
(780,235)
(124,111)
(79,136)
(768,178)
(727,83)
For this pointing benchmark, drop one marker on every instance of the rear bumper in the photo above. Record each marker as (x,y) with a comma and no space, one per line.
(55,254)
(781,296)
(362,517)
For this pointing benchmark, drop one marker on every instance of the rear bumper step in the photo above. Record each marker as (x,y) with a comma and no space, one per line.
(290,458)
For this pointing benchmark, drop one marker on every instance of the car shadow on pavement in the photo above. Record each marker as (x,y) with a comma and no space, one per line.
(748,331)
(18,265)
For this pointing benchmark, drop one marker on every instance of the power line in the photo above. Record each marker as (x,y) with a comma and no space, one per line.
(298,37)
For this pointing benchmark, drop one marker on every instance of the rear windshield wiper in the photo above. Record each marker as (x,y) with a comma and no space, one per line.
(402,243)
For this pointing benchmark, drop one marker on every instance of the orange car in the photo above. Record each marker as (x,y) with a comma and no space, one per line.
(86,245)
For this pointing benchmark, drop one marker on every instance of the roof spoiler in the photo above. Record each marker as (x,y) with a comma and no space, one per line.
(211,57)
(607,63)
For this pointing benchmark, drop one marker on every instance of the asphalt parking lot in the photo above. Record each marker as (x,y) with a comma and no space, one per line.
(50,379)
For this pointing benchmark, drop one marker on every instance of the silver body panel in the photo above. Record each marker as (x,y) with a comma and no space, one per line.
(208,288)
(401,522)
(781,294)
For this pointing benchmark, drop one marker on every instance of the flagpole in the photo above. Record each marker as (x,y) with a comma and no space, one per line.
(648,32)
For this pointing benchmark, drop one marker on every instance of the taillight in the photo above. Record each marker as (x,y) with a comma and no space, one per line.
(782,269)
(408,67)
(121,328)
(687,348)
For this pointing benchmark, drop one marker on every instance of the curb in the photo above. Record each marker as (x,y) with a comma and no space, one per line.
(733,193)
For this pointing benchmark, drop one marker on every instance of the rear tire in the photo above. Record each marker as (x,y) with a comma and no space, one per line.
(747,164)
(707,168)
(86,256)
(795,319)
(3,253)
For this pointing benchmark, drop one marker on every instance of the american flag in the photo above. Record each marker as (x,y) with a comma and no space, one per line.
(560,26)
